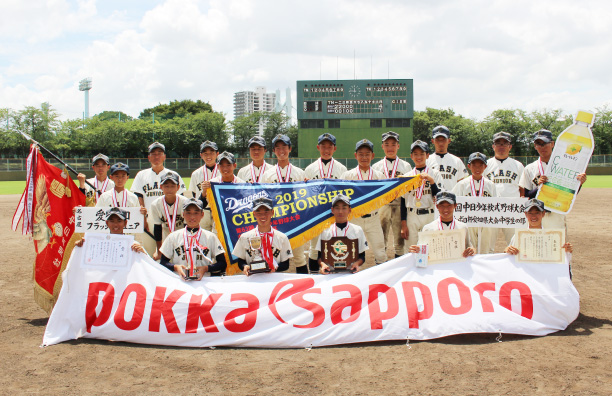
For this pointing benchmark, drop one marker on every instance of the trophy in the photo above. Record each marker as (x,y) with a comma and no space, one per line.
(258,264)
(339,253)
(192,273)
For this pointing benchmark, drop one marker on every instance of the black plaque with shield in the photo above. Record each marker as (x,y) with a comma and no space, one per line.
(339,253)
(257,264)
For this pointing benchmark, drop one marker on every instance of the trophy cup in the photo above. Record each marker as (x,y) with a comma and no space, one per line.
(258,264)
(339,253)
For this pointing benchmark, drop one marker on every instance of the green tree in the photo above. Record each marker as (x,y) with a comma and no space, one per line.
(602,130)
(176,108)
(244,128)
(113,115)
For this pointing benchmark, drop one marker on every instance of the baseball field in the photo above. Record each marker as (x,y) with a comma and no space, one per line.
(571,362)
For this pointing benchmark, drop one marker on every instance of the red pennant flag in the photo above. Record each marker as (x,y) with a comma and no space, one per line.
(48,204)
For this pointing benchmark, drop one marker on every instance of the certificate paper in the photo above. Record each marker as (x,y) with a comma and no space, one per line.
(106,251)
(444,246)
(540,246)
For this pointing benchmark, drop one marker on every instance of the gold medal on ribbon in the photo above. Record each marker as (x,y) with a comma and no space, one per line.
(418,203)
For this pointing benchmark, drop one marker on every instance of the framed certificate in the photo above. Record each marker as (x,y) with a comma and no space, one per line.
(540,246)
(444,246)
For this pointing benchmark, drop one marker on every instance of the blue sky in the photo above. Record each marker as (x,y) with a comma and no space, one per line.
(473,56)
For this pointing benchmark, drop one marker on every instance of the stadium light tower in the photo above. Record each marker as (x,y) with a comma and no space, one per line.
(85,85)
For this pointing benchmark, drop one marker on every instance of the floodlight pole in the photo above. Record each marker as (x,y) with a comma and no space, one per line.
(85,85)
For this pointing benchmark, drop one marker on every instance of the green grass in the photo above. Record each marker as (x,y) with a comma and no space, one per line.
(17,187)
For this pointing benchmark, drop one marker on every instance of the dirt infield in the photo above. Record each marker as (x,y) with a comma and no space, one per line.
(571,362)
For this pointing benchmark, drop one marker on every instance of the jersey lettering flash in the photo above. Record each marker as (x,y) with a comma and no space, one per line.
(506,175)
(147,183)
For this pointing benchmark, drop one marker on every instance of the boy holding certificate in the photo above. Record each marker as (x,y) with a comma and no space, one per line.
(341,209)
(446,203)
(263,249)
(116,221)
(193,252)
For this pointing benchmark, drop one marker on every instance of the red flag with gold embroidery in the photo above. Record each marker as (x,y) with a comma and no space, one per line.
(47,209)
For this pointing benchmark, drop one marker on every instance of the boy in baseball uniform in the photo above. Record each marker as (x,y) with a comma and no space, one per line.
(100,165)
(119,196)
(167,211)
(201,177)
(451,167)
(146,186)
(275,248)
(370,223)
(193,246)
(390,215)
(417,206)
(341,209)
(478,186)
(253,172)
(284,172)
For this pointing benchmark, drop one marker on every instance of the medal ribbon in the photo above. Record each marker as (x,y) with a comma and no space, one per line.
(190,242)
(171,219)
(213,173)
(266,246)
(326,175)
(540,167)
(393,170)
(262,170)
(480,187)
(335,230)
(419,191)
(116,201)
(99,191)
(280,174)
(370,173)
(441,227)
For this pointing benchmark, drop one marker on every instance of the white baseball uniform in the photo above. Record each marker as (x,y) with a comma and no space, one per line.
(529,181)
(121,200)
(420,211)
(174,248)
(451,169)
(351,231)
(197,177)
(482,188)
(281,248)
(506,175)
(102,186)
(390,216)
(161,212)
(370,223)
(254,174)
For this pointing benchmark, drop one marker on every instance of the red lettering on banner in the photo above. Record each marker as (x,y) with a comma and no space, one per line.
(487,305)
(250,313)
(505,297)
(139,307)
(376,315)
(354,302)
(163,307)
(93,296)
(199,311)
(297,286)
(465,297)
(414,315)
(318,313)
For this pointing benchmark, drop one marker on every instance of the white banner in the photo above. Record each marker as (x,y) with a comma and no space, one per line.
(148,304)
(497,212)
(91,219)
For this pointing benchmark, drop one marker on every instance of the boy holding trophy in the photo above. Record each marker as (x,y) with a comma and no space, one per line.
(263,249)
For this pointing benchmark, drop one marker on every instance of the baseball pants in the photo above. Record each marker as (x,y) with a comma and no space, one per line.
(374,235)
(485,238)
(415,224)
(391,223)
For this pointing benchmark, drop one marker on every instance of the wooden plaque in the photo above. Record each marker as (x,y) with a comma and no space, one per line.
(339,253)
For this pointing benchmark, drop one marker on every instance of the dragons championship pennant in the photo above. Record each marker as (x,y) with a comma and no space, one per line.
(303,209)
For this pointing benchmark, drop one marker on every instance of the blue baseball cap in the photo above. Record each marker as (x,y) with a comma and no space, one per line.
(170,176)
(419,144)
(364,143)
(544,135)
(281,138)
(477,156)
(446,196)
(502,135)
(122,214)
(263,201)
(193,201)
(534,203)
(208,144)
(258,140)
(390,135)
(440,130)
(226,155)
(341,198)
(100,157)
(119,166)
(158,145)
(327,136)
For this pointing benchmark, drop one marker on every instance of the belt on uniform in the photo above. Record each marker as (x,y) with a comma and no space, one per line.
(421,211)
(207,209)
(369,215)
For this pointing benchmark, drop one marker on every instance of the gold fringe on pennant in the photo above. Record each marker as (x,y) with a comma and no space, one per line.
(299,240)
(42,297)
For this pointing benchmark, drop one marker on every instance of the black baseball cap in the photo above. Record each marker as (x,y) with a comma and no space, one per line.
(258,140)
(195,202)
(170,176)
(362,143)
(446,196)
(440,130)
(534,203)
(419,144)
(100,157)
(327,136)
(263,201)
(341,198)
(502,135)
(281,138)
(122,214)
(208,144)
(119,166)
(390,135)
(544,135)
(158,145)
(226,155)
(477,156)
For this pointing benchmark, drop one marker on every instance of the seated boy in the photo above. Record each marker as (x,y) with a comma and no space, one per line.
(341,209)
(535,212)
(275,246)
(446,203)
(193,246)
(167,211)
(116,220)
